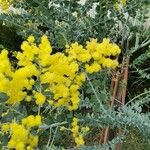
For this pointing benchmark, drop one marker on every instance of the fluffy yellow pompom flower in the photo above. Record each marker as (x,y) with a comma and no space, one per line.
(32,121)
(38,120)
(39,98)
(95,67)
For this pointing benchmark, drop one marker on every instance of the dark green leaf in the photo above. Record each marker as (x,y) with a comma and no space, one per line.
(3,97)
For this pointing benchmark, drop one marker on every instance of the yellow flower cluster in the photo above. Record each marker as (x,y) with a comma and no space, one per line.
(40,98)
(63,74)
(77,134)
(60,71)
(20,136)
(5,4)
(96,55)
(32,121)
(9,79)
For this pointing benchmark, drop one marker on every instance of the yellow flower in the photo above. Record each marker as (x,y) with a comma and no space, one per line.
(11,144)
(20,146)
(33,140)
(5,65)
(109,63)
(32,121)
(5,127)
(38,121)
(79,140)
(31,39)
(96,56)
(95,67)
(40,98)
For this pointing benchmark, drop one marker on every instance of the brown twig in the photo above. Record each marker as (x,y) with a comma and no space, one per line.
(113,90)
(125,80)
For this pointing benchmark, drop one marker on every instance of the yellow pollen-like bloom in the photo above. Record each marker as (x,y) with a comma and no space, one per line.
(40,98)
